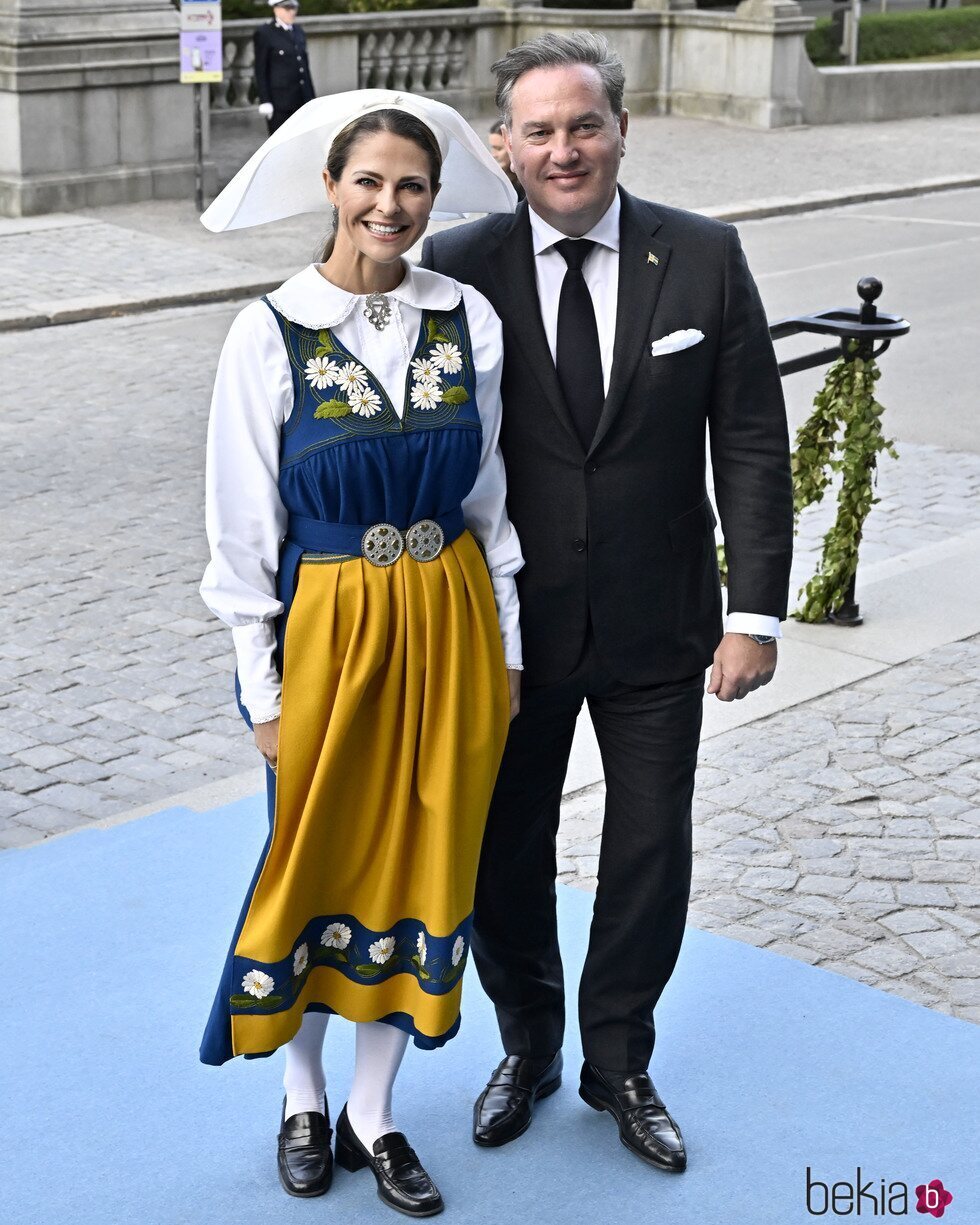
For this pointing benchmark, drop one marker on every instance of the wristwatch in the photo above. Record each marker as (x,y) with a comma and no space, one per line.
(762,639)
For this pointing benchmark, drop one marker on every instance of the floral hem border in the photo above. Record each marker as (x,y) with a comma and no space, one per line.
(359,953)
(400,1020)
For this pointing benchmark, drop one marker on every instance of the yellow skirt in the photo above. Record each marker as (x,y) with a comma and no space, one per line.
(394,716)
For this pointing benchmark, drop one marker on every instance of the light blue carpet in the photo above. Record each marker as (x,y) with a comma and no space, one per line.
(113,941)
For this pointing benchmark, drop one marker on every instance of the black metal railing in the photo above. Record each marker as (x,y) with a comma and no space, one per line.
(862,331)
(864,324)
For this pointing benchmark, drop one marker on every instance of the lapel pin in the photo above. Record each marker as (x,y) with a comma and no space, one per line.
(651,258)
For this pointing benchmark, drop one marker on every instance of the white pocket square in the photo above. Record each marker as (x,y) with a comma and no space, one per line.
(676,341)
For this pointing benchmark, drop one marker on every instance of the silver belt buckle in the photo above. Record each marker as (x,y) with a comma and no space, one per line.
(382,545)
(424,540)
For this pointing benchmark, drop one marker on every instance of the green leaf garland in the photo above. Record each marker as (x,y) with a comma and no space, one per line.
(843,434)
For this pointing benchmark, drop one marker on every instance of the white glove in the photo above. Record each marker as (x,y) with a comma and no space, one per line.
(265,110)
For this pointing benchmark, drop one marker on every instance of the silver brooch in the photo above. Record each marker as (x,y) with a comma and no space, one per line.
(377,310)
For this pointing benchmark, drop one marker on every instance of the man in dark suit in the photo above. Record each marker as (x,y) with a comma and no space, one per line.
(630,330)
(282,66)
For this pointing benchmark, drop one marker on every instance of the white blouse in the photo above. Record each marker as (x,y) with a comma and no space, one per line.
(253,396)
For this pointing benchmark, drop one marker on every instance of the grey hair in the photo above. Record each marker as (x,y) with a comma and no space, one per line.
(556,51)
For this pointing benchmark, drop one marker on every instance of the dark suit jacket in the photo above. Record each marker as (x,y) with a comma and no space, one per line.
(622,536)
(282,67)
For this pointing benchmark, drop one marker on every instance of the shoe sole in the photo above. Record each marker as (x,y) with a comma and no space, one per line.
(545,1091)
(405,1212)
(304,1194)
(598,1104)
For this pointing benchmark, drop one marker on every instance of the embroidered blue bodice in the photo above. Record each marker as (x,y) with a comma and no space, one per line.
(347,457)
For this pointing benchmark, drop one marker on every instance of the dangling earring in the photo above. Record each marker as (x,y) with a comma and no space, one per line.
(336,215)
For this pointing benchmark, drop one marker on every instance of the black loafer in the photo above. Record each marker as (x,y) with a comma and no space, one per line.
(645,1127)
(402,1181)
(503,1110)
(305,1160)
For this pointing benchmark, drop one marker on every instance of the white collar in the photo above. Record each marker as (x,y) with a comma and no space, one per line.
(283,26)
(605,231)
(312,301)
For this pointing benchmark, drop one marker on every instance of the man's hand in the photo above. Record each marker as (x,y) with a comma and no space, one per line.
(740,666)
(267,739)
(514,681)
(265,110)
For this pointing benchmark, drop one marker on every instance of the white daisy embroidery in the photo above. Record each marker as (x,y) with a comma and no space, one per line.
(420,943)
(458,949)
(364,402)
(258,984)
(382,949)
(448,358)
(351,377)
(300,960)
(425,370)
(336,936)
(322,373)
(426,395)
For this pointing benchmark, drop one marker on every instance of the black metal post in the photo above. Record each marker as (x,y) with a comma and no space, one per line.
(848,613)
(858,327)
(198,149)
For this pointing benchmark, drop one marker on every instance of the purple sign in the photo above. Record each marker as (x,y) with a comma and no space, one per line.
(200,56)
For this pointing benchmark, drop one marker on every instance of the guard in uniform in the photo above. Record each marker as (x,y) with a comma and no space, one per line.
(282,66)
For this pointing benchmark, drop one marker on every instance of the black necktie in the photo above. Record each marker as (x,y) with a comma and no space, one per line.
(577,355)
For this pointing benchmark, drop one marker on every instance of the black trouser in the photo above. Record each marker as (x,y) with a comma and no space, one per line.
(648,738)
(283,106)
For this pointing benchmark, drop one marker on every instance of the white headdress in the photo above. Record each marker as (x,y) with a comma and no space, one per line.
(284,176)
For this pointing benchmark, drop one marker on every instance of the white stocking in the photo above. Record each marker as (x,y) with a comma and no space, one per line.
(380,1048)
(304,1080)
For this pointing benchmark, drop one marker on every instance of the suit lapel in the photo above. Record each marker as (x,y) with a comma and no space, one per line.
(512,269)
(643,262)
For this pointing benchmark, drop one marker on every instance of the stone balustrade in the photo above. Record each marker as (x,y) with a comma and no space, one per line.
(715,64)
(92,112)
(436,53)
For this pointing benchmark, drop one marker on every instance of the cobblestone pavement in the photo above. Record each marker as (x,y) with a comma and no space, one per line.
(114,678)
(103,264)
(844,832)
(157,248)
(695,163)
(115,681)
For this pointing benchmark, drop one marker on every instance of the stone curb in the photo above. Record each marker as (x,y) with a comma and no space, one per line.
(83,313)
(752,210)
(785,206)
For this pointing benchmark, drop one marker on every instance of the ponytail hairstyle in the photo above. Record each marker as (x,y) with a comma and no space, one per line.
(398,123)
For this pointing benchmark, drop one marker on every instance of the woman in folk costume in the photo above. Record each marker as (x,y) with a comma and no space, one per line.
(362,555)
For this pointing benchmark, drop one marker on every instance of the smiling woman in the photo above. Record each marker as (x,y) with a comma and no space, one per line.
(362,555)
(390,190)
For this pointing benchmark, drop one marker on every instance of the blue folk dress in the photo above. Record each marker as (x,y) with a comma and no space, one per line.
(394,703)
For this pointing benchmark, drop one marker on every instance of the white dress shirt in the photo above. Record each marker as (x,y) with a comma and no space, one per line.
(253,398)
(601,273)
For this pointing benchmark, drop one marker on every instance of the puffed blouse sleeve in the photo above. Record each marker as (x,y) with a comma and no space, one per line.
(244,516)
(484,507)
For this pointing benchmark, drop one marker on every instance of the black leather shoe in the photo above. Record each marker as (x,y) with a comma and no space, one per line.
(645,1127)
(503,1110)
(305,1159)
(402,1181)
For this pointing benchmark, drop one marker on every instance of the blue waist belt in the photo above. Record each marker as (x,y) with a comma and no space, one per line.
(380,543)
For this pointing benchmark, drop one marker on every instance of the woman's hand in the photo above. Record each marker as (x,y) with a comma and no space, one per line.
(514,682)
(267,739)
